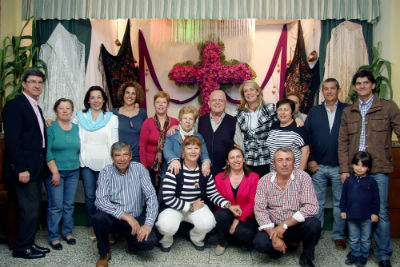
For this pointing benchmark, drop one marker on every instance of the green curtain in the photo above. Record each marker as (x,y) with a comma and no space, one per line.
(81,28)
(327,26)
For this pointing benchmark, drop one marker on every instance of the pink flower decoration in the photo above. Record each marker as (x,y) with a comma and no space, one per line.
(209,73)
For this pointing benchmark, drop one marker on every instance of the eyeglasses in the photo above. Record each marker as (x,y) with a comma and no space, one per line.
(35,82)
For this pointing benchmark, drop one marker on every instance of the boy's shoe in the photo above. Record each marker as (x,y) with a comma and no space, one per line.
(351,259)
(361,261)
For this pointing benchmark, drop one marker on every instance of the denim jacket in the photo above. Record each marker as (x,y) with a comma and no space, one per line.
(173,150)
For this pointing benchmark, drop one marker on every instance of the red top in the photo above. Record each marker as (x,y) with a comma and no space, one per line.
(245,195)
(148,141)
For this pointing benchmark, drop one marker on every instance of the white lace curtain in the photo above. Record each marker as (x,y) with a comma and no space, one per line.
(65,59)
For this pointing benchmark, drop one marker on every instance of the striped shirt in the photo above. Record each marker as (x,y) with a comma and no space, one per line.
(273,205)
(290,136)
(364,107)
(119,193)
(190,190)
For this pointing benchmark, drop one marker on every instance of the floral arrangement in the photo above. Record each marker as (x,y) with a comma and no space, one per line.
(212,72)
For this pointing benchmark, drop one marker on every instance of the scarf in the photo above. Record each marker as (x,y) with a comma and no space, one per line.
(85,120)
(185,134)
(160,146)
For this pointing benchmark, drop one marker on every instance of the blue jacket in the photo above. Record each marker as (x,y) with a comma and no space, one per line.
(173,150)
(323,141)
(360,197)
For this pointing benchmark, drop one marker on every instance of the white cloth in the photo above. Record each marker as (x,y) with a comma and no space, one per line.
(345,53)
(65,59)
(96,145)
(169,220)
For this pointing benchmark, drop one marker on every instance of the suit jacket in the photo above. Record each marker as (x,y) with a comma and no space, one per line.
(23,139)
(245,195)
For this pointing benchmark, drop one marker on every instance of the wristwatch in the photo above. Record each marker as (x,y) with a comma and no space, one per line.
(191,209)
(285,226)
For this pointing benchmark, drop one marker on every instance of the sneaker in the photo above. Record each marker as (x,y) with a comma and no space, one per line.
(351,259)
(362,261)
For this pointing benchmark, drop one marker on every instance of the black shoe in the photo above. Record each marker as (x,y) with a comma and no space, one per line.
(199,248)
(351,259)
(28,253)
(40,249)
(385,263)
(165,249)
(56,246)
(70,241)
(361,261)
(304,262)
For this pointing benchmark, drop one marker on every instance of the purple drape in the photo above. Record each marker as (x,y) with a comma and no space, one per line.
(144,54)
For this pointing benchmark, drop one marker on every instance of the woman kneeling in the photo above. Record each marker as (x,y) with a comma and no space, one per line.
(184,196)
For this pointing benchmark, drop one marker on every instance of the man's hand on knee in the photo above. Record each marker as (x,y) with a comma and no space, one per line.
(132,222)
(143,232)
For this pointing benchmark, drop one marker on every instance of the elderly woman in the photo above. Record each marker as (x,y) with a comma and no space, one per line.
(130,116)
(173,144)
(98,130)
(296,99)
(254,119)
(184,196)
(153,135)
(285,133)
(62,158)
(238,185)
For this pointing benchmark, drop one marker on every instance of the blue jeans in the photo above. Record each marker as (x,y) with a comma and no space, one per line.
(360,237)
(61,201)
(383,243)
(320,181)
(89,179)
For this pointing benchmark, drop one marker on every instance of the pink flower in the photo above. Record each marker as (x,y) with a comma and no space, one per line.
(210,74)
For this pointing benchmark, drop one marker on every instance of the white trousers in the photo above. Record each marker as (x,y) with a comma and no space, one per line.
(169,220)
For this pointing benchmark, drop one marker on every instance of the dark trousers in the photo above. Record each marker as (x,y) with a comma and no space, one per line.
(104,224)
(307,232)
(260,170)
(245,231)
(28,199)
(155,179)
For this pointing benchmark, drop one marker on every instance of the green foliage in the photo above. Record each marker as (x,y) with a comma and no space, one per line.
(379,67)
(15,58)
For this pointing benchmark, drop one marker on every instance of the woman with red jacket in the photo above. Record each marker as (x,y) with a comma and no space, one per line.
(152,137)
(238,185)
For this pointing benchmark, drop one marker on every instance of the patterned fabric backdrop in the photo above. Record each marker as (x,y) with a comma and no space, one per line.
(120,68)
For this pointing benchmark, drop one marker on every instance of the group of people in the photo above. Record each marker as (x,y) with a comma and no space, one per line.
(243,177)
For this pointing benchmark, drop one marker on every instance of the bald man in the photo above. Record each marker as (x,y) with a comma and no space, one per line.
(219,131)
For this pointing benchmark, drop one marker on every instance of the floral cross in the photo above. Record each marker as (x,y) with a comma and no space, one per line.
(210,72)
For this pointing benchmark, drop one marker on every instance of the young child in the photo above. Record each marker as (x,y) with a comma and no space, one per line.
(359,204)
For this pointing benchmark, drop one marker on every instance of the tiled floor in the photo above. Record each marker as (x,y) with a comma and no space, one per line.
(84,253)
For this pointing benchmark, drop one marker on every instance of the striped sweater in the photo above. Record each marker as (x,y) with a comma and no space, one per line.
(191,190)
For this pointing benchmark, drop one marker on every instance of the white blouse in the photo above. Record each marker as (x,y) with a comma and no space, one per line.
(96,145)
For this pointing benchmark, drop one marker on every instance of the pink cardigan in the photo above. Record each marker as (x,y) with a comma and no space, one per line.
(148,140)
(245,195)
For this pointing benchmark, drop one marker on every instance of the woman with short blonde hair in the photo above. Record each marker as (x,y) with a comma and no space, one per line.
(173,144)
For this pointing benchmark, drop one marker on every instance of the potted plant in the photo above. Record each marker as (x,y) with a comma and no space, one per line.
(17,54)
(382,71)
